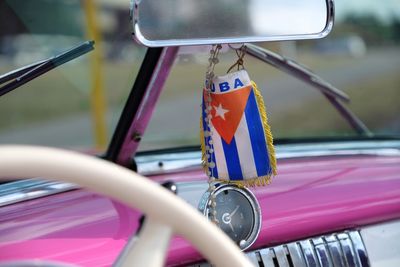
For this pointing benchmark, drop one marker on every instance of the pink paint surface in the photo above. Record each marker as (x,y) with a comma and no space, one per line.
(308,197)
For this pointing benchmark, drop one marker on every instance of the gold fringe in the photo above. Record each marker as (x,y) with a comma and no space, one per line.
(253,182)
(257,181)
(203,146)
(267,129)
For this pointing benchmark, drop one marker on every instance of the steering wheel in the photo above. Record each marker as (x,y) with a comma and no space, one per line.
(165,213)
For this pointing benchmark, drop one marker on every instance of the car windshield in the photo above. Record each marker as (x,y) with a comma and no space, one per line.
(78,104)
(361,56)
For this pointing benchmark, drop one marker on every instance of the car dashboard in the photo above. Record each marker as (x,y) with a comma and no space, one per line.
(330,205)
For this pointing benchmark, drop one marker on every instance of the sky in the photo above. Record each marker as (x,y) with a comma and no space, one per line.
(287,17)
(306,14)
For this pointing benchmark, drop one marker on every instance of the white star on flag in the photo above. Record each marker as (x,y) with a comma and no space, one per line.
(220,111)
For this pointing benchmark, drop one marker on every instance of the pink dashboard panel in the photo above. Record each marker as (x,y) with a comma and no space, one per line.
(308,197)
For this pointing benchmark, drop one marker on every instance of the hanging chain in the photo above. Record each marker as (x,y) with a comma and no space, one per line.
(208,133)
(241,52)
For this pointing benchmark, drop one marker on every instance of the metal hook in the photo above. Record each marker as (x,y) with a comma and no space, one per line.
(240,52)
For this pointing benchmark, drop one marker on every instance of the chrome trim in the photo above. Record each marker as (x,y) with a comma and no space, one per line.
(138,36)
(172,162)
(348,248)
(335,251)
(322,251)
(23,190)
(254,259)
(267,256)
(34,262)
(18,191)
(280,254)
(296,254)
(165,163)
(359,248)
(309,254)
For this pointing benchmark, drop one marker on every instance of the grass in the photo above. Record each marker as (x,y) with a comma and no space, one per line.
(63,92)
(375,101)
(66,92)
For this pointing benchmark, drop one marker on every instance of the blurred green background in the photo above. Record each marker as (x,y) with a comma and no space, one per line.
(361,56)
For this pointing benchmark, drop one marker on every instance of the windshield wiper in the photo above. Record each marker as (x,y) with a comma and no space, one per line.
(333,94)
(16,78)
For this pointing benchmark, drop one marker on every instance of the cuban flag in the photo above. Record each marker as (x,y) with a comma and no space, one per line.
(236,140)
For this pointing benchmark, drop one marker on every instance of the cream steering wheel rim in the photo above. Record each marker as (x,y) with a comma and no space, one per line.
(119,183)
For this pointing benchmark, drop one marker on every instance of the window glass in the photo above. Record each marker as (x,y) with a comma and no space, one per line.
(76,105)
(361,56)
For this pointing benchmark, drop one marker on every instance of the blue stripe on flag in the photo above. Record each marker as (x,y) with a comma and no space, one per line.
(232,160)
(257,137)
(214,171)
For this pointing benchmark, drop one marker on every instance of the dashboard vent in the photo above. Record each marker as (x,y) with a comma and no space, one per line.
(344,249)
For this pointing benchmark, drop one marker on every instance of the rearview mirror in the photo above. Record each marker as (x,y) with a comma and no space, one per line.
(199,22)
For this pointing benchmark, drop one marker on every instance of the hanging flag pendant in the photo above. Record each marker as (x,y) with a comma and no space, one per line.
(237,144)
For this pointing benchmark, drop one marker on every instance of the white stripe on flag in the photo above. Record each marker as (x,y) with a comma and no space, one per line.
(230,79)
(219,155)
(245,150)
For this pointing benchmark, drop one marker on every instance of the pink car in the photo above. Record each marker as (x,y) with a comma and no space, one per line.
(335,200)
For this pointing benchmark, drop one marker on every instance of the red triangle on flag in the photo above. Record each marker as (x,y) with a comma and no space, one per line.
(227,111)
